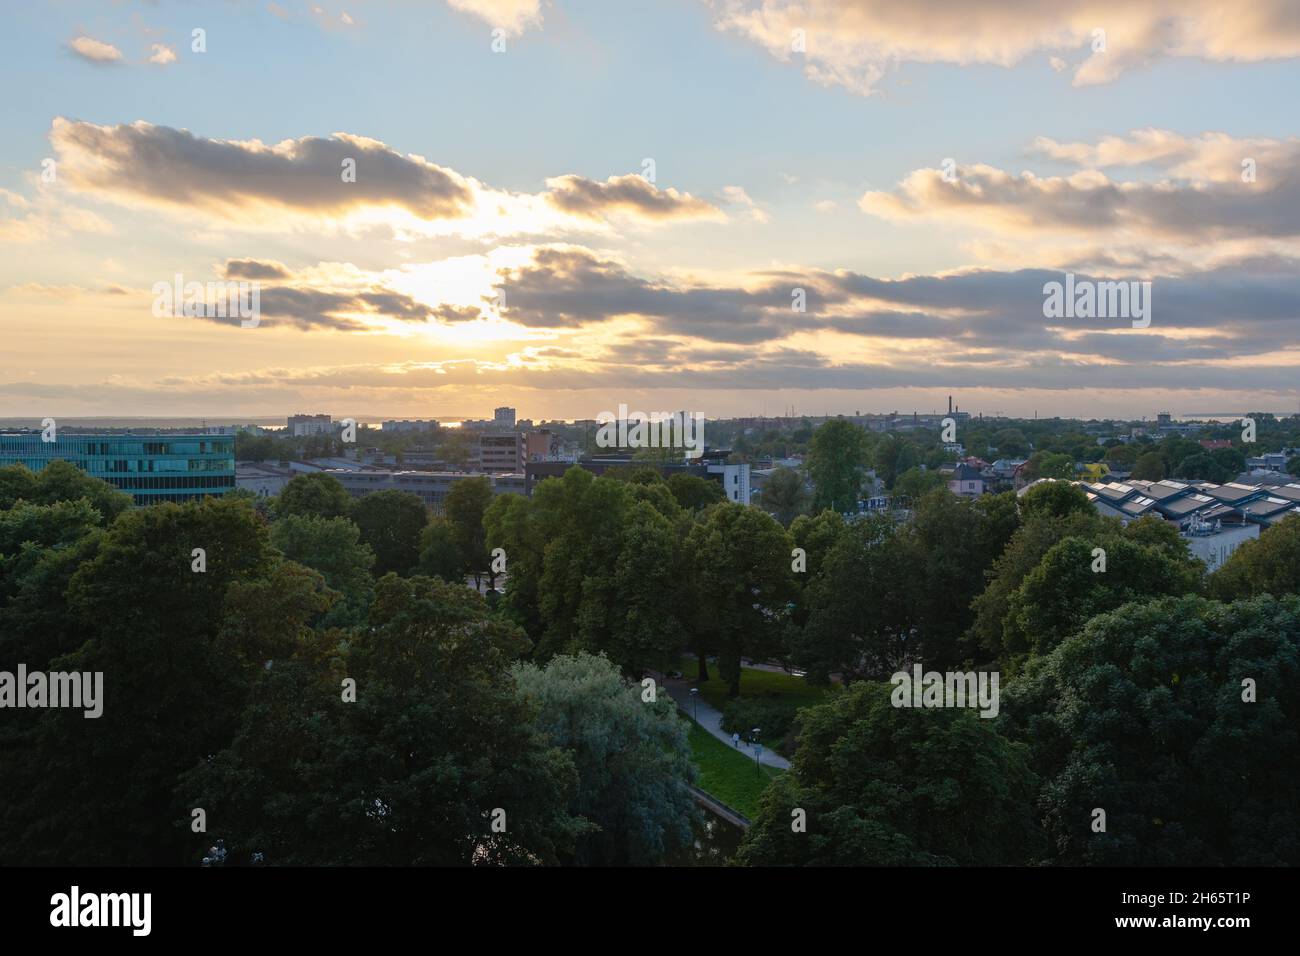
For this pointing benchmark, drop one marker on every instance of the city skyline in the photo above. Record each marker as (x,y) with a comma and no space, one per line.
(838,207)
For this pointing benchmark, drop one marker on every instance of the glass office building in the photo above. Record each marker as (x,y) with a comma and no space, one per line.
(150,468)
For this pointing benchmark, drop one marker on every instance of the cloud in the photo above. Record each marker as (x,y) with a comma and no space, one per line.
(44,217)
(630,195)
(96,51)
(1210,157)
(513,16)
(854,43)
(161,54)
(157,165)
(254,269)
(738,196)
(1177,212)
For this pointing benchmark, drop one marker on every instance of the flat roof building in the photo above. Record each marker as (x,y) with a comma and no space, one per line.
(150,468)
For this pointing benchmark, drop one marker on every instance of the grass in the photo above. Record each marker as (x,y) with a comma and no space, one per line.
(789,691)
(727,773)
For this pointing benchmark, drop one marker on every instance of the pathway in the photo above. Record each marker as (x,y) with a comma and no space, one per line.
(710,718)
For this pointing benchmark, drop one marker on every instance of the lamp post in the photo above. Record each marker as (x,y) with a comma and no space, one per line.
(758,750)
(695,703)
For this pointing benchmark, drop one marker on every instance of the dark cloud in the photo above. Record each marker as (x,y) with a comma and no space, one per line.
(631,194)
(254,269)
(161,165)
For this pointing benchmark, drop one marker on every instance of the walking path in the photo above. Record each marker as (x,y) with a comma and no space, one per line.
(710,718)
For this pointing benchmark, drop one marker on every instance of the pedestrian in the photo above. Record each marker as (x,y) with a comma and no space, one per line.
(735,740)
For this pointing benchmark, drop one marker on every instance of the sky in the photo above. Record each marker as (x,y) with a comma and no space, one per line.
(724,206)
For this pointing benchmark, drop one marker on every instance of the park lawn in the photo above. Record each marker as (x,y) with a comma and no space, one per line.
(728,774)
(789,691)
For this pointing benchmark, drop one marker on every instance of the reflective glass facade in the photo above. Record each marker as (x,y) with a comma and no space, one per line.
(150,468)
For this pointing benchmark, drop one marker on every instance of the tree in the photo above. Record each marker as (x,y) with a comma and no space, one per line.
(1011,443)
(1045,464)
(439,554)
(1146,714)
(1122,456)
(915,483)
(1204,467)
(863,605)
(175,675)
(632,758)
(391,523)
(741,576)
(333,547)
(436,746)
(570,529)
(315,493)
(41,548)
(784,495)
(1064,591)
(1268,565)
(464,506)
(61,481)
(693,492)
(1048,517)
(836,463)
(888,786)
(1057,499)
(627,610)
(1149,467)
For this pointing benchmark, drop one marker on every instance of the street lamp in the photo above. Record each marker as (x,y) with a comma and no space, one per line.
(758,750)
(695,703)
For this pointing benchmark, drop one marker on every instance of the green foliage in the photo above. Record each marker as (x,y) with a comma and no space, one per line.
(60,481)
(1055,498)
(693,492)
(837,460)
(916,483)
(863,605)
(727,773)
(784,495)
(633,762)
(1063,591)
(391,523)
(773,716)
(465,505)
(1149,467)
(177,652)
(890,786)
(41,548)
(333,547)
(1268,565)
(1142,715)
(740,572)
(410,772)
(439,553)
(315,493)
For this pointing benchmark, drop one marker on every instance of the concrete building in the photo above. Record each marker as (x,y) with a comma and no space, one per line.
(501,452)
(431,486)
(503,417)
(150,468)
(263,480)
(408,426)
(301,426)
